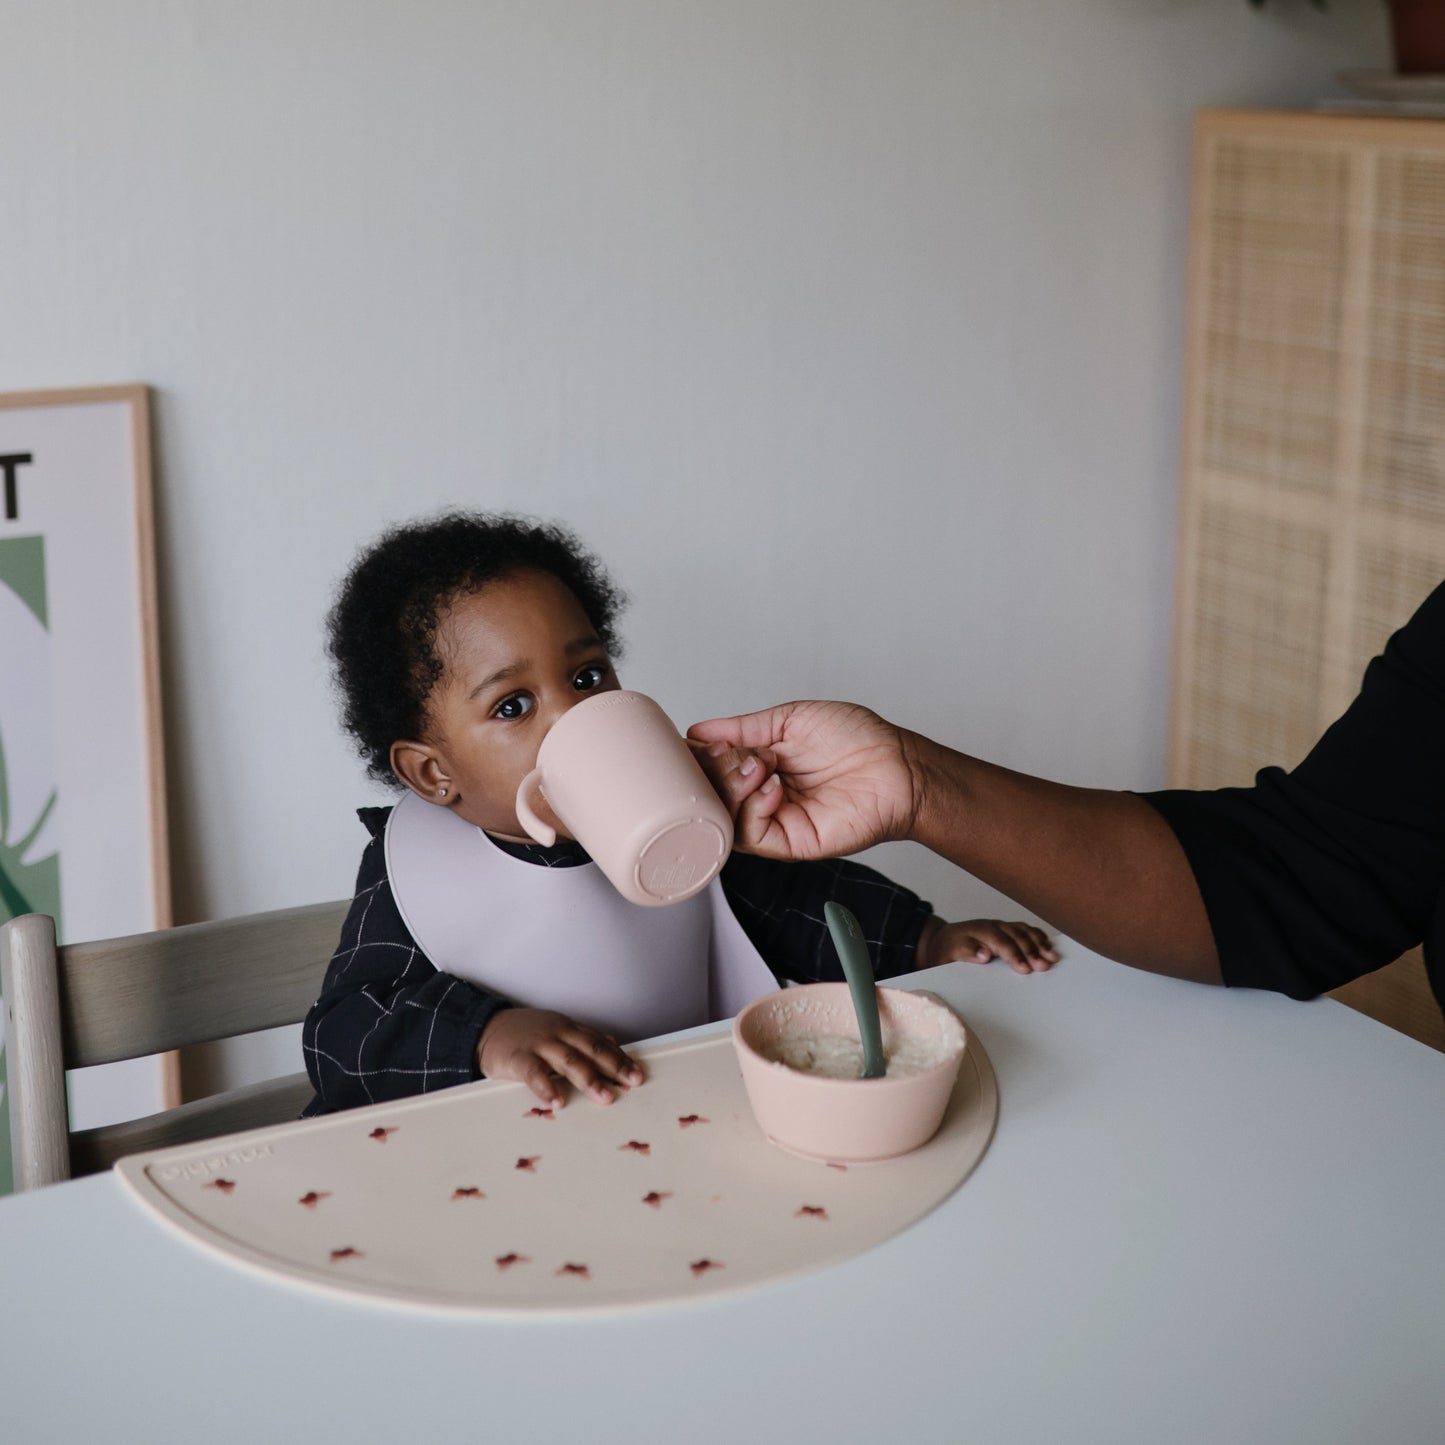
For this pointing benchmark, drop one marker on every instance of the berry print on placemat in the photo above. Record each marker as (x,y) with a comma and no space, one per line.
(621,1211)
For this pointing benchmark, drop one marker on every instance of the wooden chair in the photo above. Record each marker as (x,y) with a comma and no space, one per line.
(121,998)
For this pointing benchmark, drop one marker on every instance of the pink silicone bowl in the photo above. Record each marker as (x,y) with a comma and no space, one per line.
(845,1120)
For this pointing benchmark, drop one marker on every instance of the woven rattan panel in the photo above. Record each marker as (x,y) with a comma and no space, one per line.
(1272,332)
(1405,398)
(1253,692)
(1312,507)
(1390,584)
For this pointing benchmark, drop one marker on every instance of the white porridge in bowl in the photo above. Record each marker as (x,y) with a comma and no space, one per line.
(835,1056)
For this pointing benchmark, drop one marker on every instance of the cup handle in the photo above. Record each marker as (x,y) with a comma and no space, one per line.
(526,815)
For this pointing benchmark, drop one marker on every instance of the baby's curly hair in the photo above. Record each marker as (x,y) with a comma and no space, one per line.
(381,630)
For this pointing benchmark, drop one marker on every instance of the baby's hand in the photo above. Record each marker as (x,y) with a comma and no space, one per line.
(540,1048)
(1023,947)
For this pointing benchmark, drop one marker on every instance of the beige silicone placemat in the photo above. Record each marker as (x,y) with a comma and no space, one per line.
(473,1198)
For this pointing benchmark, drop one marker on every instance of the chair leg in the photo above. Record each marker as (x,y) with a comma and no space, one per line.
(34,1061)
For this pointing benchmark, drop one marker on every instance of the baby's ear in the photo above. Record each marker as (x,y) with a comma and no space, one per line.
(422,770)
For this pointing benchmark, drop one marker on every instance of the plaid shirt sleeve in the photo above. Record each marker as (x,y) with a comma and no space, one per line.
(780,907)
(388,1024)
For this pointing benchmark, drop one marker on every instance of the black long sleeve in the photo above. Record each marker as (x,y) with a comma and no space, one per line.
(1316,876)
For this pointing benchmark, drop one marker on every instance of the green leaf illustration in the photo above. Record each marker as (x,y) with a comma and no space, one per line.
(25,887)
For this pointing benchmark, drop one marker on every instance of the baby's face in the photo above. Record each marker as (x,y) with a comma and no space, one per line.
(516,656)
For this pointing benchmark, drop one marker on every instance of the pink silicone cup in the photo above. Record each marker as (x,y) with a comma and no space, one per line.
(845,1120)
(623,781)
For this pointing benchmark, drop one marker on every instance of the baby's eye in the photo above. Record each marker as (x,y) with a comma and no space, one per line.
(589,678)
(518,705)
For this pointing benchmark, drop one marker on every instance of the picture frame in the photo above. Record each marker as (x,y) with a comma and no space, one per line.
(83,822)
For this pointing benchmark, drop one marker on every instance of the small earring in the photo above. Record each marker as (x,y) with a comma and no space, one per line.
(441,792)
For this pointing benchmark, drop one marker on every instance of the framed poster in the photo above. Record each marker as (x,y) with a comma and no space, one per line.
(82,784)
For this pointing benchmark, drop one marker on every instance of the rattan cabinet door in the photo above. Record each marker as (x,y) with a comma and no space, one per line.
(1312,500)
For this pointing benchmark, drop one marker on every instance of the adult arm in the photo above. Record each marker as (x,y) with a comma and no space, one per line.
(1310,877)
(1102,867)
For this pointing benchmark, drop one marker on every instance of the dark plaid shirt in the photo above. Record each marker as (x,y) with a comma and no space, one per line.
(388,1024)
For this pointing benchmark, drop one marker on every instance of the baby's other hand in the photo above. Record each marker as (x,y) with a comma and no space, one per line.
(541,1049)
(1023,947)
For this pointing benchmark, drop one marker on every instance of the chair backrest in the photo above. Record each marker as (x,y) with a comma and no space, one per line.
(121,998)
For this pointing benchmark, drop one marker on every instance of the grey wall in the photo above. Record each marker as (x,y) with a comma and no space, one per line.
(847,331)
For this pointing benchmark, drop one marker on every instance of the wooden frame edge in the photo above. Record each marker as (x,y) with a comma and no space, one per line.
(1196,269)
(137,395)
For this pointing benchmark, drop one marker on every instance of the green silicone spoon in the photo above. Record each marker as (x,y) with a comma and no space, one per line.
(853,952)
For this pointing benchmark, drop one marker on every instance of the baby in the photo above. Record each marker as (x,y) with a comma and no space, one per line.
(457,642)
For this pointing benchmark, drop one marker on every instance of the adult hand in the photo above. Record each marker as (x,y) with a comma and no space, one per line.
(541,1049)
(833,778)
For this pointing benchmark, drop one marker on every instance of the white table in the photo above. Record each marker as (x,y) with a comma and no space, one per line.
(1206,1216)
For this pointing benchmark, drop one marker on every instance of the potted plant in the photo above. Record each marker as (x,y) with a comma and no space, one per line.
(1417,32)
(1417,28)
